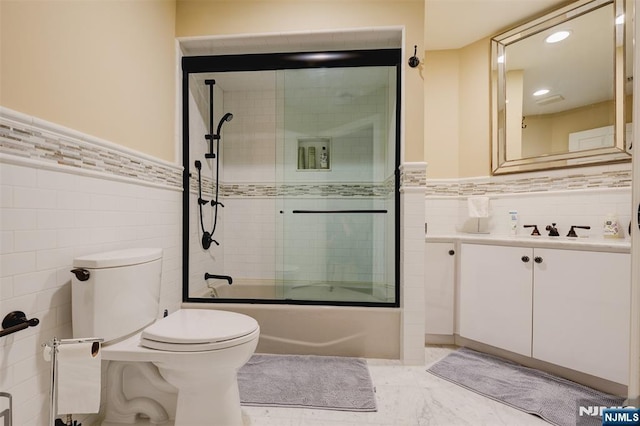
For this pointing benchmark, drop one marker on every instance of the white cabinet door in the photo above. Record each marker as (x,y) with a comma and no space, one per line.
(581,311)
(496,296)
(439,265)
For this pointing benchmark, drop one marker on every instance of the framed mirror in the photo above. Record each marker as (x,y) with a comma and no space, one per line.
(561,89)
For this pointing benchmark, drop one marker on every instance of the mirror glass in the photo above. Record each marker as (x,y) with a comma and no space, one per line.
(561,91)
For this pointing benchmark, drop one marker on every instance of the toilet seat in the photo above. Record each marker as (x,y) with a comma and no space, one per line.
(195,330)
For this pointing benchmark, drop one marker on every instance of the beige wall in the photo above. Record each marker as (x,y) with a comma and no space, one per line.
(442,120)
(201,18)
(475,148)
(556,128)
(105,68)
(457,112)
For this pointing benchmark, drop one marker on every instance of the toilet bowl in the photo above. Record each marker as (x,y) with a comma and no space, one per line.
(197,351)
(183,366)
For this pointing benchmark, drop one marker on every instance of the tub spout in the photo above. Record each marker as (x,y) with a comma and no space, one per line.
(218,277)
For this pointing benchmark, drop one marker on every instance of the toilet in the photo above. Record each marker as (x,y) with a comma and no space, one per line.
(182,367)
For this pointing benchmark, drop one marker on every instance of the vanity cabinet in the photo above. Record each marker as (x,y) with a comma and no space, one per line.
(496,296)
(439,262)
(581,311)
(567,307)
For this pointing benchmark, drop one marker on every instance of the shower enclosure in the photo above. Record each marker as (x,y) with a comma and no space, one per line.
(305,177)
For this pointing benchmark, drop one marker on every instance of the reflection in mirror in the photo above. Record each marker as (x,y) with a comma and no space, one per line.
(559,89)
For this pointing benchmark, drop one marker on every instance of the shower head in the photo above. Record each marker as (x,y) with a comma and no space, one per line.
(227,117)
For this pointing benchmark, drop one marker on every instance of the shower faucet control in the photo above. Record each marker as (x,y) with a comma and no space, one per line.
(207,239)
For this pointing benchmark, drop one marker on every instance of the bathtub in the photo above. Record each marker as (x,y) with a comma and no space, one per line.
(370,332)
(268,290)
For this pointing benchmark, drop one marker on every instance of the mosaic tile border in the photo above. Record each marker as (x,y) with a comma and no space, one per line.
(34,142)
(606,179)
(19,138)
(413,175)
(415,178)
(266,190)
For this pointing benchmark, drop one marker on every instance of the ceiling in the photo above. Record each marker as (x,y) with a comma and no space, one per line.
(452,24)
(449,24)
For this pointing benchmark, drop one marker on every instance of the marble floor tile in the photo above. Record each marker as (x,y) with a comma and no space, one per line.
(406,396)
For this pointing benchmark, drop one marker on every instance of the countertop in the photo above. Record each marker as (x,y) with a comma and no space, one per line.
(613,245)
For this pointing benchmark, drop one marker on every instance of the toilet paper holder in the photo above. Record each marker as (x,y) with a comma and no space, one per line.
(53,344)
(7,414)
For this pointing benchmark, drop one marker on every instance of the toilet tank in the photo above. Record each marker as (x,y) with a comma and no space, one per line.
(115,294)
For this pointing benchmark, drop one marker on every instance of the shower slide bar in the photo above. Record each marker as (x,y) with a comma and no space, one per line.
(53,392)
(337,211)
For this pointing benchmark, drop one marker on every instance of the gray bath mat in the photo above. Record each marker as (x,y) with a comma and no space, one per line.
(550,397)
(307,381)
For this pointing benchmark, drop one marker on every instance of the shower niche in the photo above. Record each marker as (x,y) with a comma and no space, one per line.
(314,154)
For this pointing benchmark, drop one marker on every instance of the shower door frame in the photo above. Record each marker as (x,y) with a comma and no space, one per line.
(288,61)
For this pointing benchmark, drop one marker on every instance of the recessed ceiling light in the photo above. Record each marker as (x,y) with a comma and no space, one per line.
(550,99)
(558,36)
(540,92)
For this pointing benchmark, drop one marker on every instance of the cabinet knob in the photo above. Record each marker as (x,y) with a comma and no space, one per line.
(525,259)
(537,259)
(452,252)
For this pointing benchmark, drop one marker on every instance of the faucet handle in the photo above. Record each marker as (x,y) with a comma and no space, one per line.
(553,231)
(535,229)
(572,231)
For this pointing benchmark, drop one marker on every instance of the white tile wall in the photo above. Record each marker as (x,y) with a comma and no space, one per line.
(250,238)
(47,218)
(447,215)
(249,141)
(412,265)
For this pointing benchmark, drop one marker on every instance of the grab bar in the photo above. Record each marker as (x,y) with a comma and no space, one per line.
(338,211)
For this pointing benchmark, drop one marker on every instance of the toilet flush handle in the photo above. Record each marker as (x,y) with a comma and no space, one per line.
(81,274)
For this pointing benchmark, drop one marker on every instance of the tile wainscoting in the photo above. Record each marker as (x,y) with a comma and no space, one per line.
(64,194)
(570,197)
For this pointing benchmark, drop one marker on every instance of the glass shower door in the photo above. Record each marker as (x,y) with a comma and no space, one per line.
(336,180)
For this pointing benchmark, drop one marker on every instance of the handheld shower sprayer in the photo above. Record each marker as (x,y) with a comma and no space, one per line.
(227,117)
(216,136)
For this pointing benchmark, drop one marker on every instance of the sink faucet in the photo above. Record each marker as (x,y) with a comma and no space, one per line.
(553,231)
(572,231)
(535,229)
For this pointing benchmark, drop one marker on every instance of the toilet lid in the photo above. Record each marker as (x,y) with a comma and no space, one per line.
(199,330)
